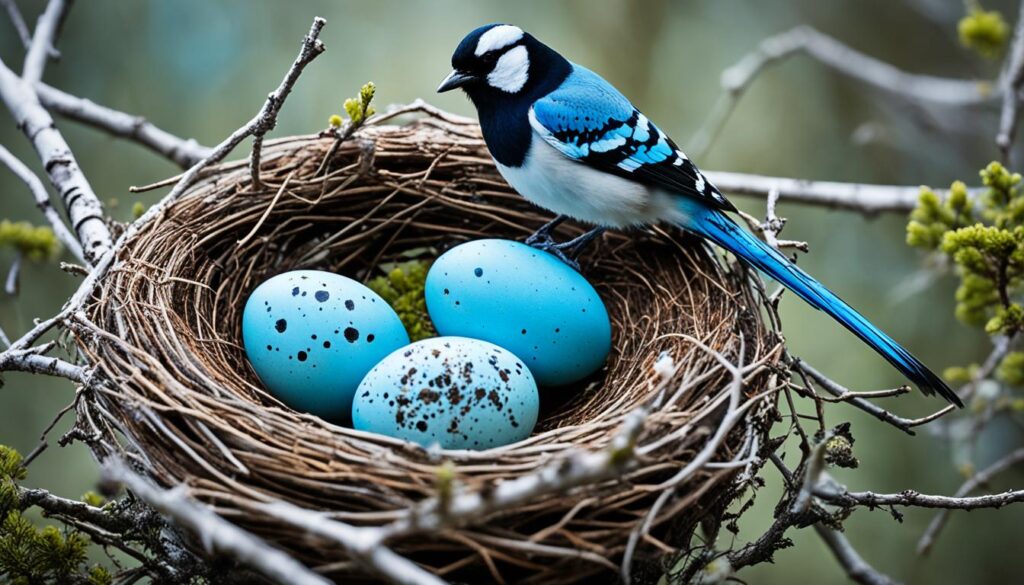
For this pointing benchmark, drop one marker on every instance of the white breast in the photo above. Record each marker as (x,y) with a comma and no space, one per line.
(552,180)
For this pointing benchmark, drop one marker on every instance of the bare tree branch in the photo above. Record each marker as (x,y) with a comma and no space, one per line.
(47,29)
(864,198)
(856,567)
(43,202)
(363,544)
(1013,73)
(182,152)
(848,61)
(979,479)
(83,206)
(57,505)
(853,398)
(34,361)
(11,283)
(216,533)
(914,498)
(266,120)
(18,21)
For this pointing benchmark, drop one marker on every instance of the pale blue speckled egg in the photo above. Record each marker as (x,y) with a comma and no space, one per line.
(311,336)
(524,300)
(456,392)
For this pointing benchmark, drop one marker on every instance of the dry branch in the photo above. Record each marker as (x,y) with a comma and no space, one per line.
(216,533)
(82,205)
(181,152)
(266,120)
(850,62)
(43,202)
(1013,75)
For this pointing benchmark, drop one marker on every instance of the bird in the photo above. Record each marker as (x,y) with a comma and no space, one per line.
(567,140)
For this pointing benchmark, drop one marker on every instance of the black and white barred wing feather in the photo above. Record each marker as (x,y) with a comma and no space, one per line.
(589,121)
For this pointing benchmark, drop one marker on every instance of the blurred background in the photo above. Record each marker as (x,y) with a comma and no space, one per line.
(201,69)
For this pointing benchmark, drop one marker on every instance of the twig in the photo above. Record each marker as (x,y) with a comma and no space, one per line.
(981,478)
(80,510)
(269,110)
(47,29)
(846,395)
(861,197)
(80,201)
(215,532)
(1014,76)
(266,120)
(914,498)
(18,21)
(183,152)
(848,61)
(11,283)
(855,566)
(42,202)
(362,544)
(32,362)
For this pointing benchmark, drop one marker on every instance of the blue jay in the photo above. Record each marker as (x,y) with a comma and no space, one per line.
(568,141)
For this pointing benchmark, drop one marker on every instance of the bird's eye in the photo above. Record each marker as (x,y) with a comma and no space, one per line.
(490,58)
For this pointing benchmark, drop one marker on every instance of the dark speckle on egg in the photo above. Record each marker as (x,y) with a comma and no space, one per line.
(295,292)
(302,356)
(478,272)
(327,345)
(370,338)
(322,295)
(350,305)
(351,334)
(281,325)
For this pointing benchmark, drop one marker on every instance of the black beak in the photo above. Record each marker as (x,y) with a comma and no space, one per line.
(455,79)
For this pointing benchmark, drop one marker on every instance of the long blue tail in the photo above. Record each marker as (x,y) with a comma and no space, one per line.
(720,229)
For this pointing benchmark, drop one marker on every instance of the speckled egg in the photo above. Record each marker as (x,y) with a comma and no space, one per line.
(311,336)
(525,300)
(456,392)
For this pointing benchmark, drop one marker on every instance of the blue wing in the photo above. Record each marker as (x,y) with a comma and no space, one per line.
(588,120)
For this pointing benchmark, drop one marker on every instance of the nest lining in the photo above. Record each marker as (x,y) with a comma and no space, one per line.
(184,405)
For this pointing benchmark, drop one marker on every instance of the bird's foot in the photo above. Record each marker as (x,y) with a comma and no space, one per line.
(543,235)
(553,248)
(566,251)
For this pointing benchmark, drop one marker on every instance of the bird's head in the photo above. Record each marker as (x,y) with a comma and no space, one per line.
(497,60)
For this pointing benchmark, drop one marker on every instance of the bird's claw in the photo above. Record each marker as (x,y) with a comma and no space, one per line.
(555,249)
(566,251)
(543,234)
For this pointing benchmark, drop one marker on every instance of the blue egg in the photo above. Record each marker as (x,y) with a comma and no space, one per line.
(311,336)
(525,300)
(456,392)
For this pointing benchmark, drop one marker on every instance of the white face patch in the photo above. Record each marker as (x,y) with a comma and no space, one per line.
(498,37)
(511,71)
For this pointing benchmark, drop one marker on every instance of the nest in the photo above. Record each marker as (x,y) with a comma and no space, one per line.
(182,404)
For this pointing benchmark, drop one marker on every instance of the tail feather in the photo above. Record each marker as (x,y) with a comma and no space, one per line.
(720,229)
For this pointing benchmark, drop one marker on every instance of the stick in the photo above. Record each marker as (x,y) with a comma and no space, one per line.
(183,152)
(216,533)
(43,202)
(266,120)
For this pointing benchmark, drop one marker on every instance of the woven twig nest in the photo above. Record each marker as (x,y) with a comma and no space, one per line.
(184,406)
